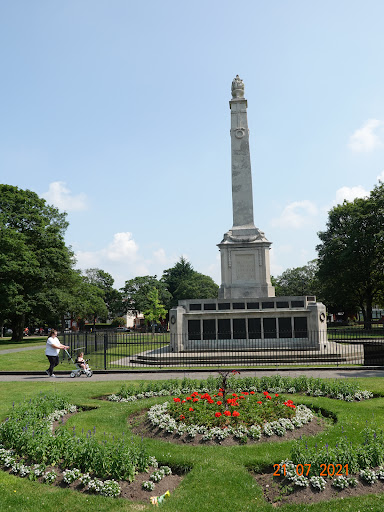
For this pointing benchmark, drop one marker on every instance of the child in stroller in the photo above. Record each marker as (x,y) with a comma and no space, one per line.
(82,366)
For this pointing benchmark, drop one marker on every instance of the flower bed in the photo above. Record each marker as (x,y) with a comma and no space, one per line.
(30,448)
(345,465)
(337,389)
(244,415)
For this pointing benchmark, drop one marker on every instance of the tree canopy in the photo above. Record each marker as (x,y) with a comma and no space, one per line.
(104,282)
(34,260)
(351,255)
(136,291)
(155,311)
(298,281)
(183,282)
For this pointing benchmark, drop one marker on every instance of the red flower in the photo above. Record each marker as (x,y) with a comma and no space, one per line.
(220,394)
(242,397)
(195,400)
(210,401)
(269,397)
(289,403)
(227,413)
(191,409)
(219,402)
(183,401)
(177,400)
(217,414)
(252,392)
(234,394)
(276,394)
(265,393)
(189,398)
(260,402)
(245,393)
(235,414)
(182,417)
(221,389)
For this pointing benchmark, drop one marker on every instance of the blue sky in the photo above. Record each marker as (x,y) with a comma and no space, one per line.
(117,112)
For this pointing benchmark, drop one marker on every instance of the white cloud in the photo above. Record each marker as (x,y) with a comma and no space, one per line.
(381,176)
(364,139)
(296,215)
(350,193)
(123,260)
(160,257)
(123,248)
(88,259)
(60,196)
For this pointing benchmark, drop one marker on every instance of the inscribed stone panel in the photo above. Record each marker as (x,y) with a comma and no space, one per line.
(245,267)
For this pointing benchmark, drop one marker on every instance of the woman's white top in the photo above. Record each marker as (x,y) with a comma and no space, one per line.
(51,348)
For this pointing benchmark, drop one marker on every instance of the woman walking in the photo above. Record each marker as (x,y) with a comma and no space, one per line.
(52,350)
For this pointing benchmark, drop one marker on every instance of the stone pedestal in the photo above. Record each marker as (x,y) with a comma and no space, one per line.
(245,270)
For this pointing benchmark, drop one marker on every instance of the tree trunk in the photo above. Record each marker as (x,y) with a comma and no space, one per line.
(368,315)
(17,326)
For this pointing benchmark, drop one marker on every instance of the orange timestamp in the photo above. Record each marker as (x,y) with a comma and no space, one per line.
(329,470)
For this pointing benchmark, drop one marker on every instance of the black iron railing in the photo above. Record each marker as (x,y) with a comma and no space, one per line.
(122,351)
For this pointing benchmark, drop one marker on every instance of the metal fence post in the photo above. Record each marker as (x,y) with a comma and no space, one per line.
(105,349)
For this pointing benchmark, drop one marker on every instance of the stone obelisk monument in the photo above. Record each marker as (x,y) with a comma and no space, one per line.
(245,270)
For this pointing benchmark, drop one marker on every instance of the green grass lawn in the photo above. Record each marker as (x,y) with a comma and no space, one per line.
(219,480)
(6,343)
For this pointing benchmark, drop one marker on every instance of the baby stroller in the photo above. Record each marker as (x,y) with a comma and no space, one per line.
(79,370)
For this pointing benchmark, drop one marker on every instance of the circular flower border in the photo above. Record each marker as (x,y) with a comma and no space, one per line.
(159,417)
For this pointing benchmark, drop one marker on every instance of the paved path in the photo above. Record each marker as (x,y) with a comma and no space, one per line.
(21,349)
(341,373)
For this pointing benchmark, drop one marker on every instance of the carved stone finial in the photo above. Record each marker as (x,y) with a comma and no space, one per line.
(237,88)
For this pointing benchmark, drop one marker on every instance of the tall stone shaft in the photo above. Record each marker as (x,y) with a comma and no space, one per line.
(242,198)
(245,270)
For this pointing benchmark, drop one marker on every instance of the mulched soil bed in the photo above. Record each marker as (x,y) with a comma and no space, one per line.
(140,425)
(275,494)
(132,491)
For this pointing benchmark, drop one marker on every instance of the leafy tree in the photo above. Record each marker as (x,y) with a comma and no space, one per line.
(34,259)
(184,282)
(136,291)
(181,271)
(155,311)
(118,321)
(104,281)
(298,281)
(90,303)
(351,255)
(198,286)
